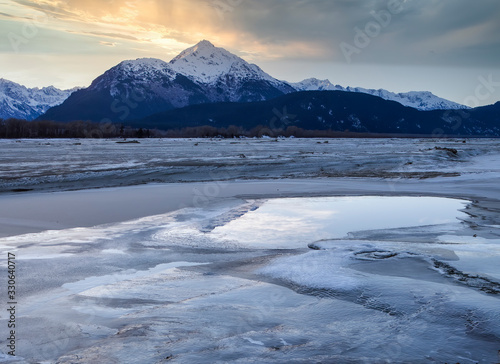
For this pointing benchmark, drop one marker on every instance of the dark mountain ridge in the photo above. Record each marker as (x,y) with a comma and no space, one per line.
(332,110)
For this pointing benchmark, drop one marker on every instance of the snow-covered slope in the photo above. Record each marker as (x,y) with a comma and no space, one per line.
(139,72)
(17,101)
(231,77)
(422,100)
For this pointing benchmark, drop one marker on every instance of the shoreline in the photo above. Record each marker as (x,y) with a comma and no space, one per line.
(33,212)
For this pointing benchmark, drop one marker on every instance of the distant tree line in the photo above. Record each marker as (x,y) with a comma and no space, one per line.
(261,131)
(18,128)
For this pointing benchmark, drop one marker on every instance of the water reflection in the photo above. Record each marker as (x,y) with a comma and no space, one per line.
(294,222)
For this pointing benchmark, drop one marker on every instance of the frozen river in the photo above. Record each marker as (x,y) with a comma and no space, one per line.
(74,164)
(289,251)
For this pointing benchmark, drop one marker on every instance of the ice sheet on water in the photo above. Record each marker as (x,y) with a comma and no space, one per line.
(86,286)
(316,269)
(476,255)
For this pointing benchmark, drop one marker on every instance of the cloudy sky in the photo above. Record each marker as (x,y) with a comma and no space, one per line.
(449,47)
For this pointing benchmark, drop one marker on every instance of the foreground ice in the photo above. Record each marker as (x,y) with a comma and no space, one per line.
(291,280)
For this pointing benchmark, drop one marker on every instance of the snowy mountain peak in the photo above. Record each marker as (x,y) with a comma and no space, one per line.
(206,64)
(421,100)
(202,49)
(204,44)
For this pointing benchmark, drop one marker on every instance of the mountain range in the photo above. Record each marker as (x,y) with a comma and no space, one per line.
(17,101)
(201,74)
(421,100)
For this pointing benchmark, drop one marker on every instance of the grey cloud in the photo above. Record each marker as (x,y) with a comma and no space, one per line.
(330,22)
(48,9)
(8,15)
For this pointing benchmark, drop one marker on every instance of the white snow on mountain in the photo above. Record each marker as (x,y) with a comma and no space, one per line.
(145,66)
(422,100)
(206,63)
(313,84)
(17,101)
(142,70)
